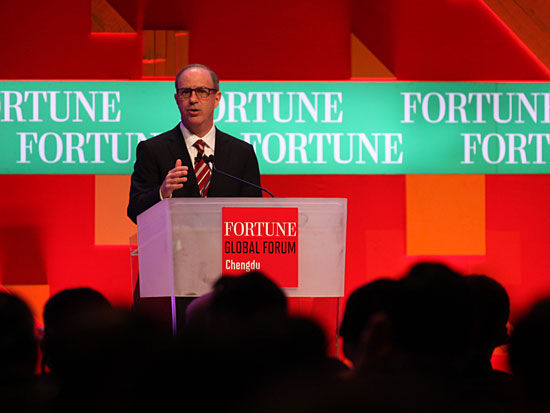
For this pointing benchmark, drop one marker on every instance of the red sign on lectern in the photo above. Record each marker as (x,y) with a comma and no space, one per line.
(261,239)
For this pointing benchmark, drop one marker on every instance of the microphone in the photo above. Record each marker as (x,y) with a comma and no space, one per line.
(199,157)
(210,159)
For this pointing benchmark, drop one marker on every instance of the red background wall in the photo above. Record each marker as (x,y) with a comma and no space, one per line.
(48,224)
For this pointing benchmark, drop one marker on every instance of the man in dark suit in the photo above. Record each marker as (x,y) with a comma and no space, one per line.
(168,164)
(165,165)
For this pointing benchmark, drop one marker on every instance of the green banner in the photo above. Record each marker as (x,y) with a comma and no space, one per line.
(93,127)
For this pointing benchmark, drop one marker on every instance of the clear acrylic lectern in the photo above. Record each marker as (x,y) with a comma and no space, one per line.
(180,245)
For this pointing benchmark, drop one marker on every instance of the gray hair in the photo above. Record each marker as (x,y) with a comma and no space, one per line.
(213,74)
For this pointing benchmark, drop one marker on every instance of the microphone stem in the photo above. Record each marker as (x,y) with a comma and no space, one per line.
(241,180)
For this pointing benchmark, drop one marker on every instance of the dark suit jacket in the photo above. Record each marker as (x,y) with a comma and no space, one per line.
(158,155)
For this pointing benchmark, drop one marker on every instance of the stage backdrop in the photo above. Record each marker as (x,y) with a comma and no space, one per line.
(296,128)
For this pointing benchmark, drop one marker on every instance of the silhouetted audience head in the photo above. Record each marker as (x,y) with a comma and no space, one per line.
(529,352)
(247,296)
(18,345)
(238,298)
(251,343)
(432,315)
(63,314)
(485,386)
(105,359)
(197,313)
(491,307)
(376,297)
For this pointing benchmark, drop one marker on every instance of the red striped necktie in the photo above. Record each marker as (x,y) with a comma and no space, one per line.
(202,172)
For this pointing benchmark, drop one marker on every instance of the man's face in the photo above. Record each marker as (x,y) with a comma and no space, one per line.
(197,114)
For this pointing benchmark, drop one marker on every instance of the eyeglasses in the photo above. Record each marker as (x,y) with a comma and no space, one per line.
(201,92)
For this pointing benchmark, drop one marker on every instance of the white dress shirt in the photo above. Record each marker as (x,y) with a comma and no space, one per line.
(190,139)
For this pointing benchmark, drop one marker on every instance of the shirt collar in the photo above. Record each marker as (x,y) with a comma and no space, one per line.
(190,138)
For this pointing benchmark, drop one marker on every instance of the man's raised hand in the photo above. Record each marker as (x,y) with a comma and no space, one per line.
(174,179)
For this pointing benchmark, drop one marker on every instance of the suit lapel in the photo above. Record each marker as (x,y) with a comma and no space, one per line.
(222,158)
(222,149)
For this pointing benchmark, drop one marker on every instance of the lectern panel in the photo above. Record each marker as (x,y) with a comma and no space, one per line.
(180,245)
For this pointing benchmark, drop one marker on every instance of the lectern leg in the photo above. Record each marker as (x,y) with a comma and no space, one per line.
(338,321)
(174,316)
